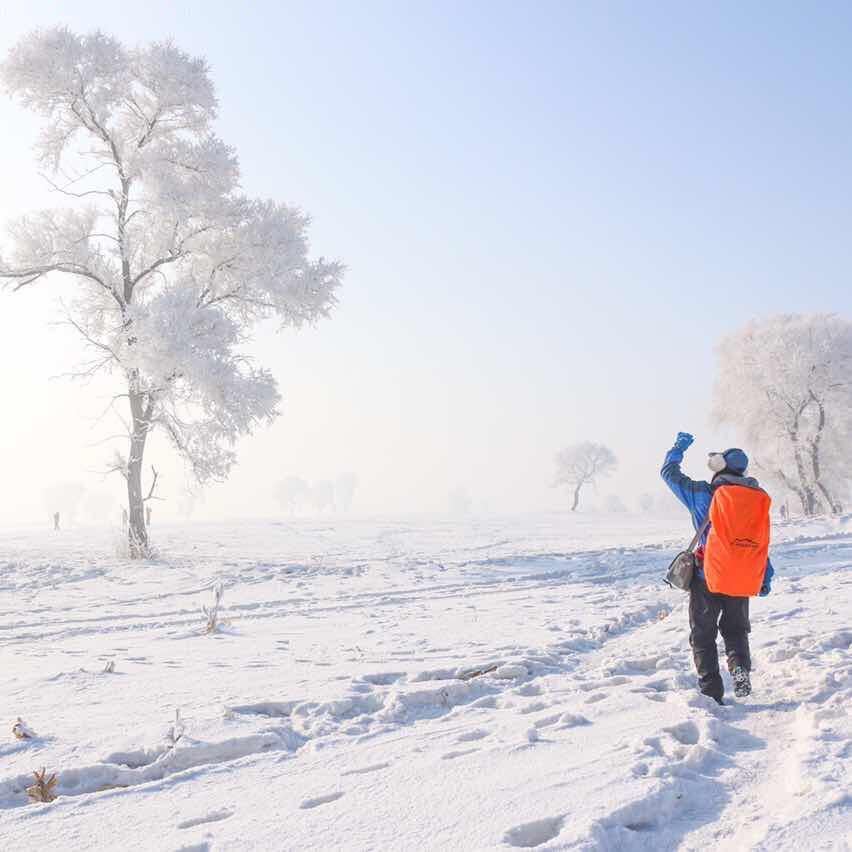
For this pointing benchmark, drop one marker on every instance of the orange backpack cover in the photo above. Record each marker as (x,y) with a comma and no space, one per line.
(738,543)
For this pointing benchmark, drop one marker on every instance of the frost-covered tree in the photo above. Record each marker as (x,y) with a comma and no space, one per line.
(460,502)
(786,383)
(322,495)
(344,490)
(291,492)
(614,504)
(168,266)
(646,503)
(583,464)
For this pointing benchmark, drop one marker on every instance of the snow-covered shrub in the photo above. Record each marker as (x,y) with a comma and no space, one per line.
(211,613)
(22,731)
(44,788)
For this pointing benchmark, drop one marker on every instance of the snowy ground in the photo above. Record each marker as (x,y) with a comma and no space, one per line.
(333,711)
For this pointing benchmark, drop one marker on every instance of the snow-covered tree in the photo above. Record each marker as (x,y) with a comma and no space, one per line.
(786,383)
(460,501)
(322,495)
(583,464)
(614,504)
(291,492)
(344,490)
(646,503)
(171,264)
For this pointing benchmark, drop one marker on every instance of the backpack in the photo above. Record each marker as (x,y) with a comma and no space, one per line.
(738,542)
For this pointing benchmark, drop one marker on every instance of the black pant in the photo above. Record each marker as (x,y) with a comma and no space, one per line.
(705,609)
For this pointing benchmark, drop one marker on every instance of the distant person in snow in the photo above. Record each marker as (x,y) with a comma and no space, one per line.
(733,561)
(56,521)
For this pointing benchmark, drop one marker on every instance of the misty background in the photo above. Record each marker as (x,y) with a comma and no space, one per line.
(546,235)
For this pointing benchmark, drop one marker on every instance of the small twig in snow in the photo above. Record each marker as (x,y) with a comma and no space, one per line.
(212,612)
(479,672)
(43,789)
(176,730)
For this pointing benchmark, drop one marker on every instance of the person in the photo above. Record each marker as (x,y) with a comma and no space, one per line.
(712,611)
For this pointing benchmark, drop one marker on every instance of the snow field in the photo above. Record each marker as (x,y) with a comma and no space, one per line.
(444,685)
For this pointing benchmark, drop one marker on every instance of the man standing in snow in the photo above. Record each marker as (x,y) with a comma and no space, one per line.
(719,594)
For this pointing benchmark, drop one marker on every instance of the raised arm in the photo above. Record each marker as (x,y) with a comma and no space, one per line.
(694,494)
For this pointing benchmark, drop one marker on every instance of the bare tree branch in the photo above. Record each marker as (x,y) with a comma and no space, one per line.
(153,486)
(70,194)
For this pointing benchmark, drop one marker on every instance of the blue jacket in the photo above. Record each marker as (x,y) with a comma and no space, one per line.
(696,496)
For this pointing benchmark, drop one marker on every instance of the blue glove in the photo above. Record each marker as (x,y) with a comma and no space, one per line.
(766,588)
(683,441)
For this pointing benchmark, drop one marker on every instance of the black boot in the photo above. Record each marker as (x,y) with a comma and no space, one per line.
(742,682)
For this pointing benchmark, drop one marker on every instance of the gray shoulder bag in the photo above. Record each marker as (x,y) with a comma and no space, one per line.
(682,569)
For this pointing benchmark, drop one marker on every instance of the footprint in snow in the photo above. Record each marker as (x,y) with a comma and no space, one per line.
(470,736)
(376,767)
(452,755)
(547,721)
(573,720)
(534,707)
(655,686)
(320,800)
(531,834)
(488,702)
(686,733)
(213,816)
(606,683)
(655,690)
(382,678)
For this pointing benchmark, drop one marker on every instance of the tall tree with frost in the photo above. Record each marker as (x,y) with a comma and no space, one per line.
(291,492)
(786,383)
(173,266)
(646,503)
(322,495)
(345,487)
(583,464)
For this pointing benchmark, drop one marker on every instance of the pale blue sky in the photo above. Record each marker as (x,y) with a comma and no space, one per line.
(550,211)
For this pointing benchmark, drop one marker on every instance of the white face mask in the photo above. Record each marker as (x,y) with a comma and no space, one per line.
(716,462)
